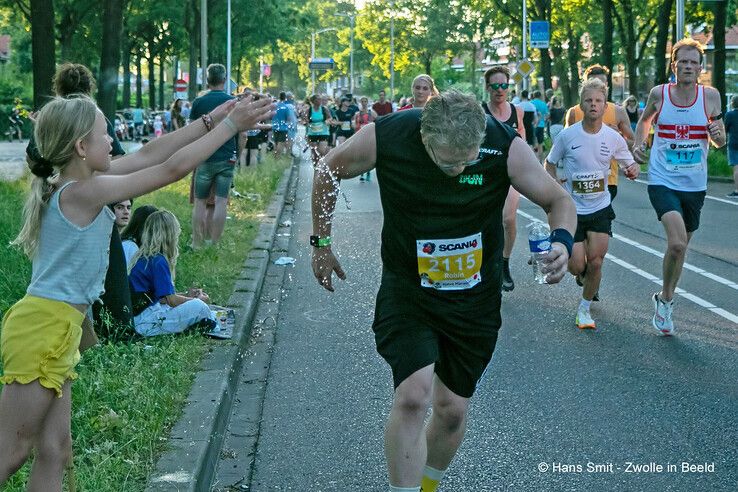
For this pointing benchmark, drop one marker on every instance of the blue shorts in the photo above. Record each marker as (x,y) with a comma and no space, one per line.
(732,157)
(687,203)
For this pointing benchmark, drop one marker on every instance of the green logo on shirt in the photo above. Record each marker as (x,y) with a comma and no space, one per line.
(471,179)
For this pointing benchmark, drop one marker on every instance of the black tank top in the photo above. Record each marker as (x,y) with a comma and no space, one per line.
(512,120)
(421,202)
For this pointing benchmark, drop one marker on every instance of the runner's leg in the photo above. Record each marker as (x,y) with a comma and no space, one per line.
(596,246)
(446,428)
(677,240)
(404,440)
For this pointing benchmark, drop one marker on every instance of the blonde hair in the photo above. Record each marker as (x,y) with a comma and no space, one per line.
(592,85)
(687,43)
(453,119)
(428,80)
(160,236)
(59,126)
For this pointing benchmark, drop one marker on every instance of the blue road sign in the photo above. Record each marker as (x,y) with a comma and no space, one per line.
(539,34)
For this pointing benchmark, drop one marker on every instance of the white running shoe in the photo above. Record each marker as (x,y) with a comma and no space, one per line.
(584,319)
(662,315)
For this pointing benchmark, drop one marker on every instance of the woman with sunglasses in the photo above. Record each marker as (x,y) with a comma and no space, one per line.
(497,82)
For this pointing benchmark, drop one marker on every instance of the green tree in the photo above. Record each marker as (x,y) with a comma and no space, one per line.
(110,57)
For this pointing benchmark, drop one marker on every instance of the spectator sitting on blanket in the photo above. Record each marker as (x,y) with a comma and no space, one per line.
(157,308)
(131,235)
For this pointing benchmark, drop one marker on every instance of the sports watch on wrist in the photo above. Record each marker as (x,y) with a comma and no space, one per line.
(320,242)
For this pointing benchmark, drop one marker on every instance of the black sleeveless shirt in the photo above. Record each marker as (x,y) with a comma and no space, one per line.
(420,202)
(511,121)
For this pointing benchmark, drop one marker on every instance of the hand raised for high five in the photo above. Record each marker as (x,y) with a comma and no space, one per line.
(247,112)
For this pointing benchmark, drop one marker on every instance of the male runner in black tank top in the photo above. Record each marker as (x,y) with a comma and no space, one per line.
(497,82)
(443,175)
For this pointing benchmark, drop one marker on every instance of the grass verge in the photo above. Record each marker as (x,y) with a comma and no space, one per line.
(130,394)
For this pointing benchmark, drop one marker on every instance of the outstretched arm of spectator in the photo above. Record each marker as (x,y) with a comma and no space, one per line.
(160,149)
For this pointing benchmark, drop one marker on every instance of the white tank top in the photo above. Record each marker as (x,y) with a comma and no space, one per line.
(679,154)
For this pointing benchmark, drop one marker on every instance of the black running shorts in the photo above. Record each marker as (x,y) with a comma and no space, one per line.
(599,221)
(414,328)
(687,203)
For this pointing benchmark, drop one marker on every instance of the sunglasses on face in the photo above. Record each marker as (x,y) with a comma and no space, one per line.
(496,86)
(449,165)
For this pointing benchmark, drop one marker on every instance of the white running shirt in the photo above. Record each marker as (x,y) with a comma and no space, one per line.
(679,154)
(586,163)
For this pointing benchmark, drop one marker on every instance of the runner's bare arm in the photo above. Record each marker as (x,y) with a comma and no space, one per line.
(624,125)
(521,127)
(551,169)
(630,168)
(529,178)
(653,104)
(716,128)
(570,118)
(355,156)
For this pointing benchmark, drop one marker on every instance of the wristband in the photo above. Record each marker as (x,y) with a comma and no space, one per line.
(564,237)
(320,242)
(230,124)
(207,121)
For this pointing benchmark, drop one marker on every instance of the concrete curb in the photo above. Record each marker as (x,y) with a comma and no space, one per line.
(195,440)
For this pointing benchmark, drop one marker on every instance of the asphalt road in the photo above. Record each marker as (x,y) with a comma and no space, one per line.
(621,408)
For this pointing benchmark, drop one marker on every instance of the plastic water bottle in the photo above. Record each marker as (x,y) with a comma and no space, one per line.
(539,240)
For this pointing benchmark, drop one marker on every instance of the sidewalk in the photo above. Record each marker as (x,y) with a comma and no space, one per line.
(13,158)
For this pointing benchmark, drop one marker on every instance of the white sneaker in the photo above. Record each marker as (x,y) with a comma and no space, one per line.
(662,315)
(584,319)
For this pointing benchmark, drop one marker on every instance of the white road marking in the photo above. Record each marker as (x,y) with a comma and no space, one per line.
(687,266)
(697,300)
(723,200)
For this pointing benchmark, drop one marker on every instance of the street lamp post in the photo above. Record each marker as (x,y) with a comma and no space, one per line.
(312,52)
(392,50)
(679,19)
(352,20)
(525,40)
(228,51)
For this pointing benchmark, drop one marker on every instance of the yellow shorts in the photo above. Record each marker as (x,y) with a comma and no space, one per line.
(40,340)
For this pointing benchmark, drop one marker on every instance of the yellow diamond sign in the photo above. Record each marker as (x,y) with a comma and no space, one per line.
(525,68)
(516,77)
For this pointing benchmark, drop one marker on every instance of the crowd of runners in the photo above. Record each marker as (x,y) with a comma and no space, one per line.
(451,171)
(450,178)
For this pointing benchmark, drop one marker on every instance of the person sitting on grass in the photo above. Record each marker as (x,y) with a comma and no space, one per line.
(131,235)
(157,308)
(66,228)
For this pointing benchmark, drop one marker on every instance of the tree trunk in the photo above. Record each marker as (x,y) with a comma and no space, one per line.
(162,101)
(110,57)
(66,36)
(608,30)
(193,25)
(663,21)
(427,60)
(545,69)
(573,56)
(718,39)
(152,80)
(42,49)
(474,51)
(139,81)
(126,62)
